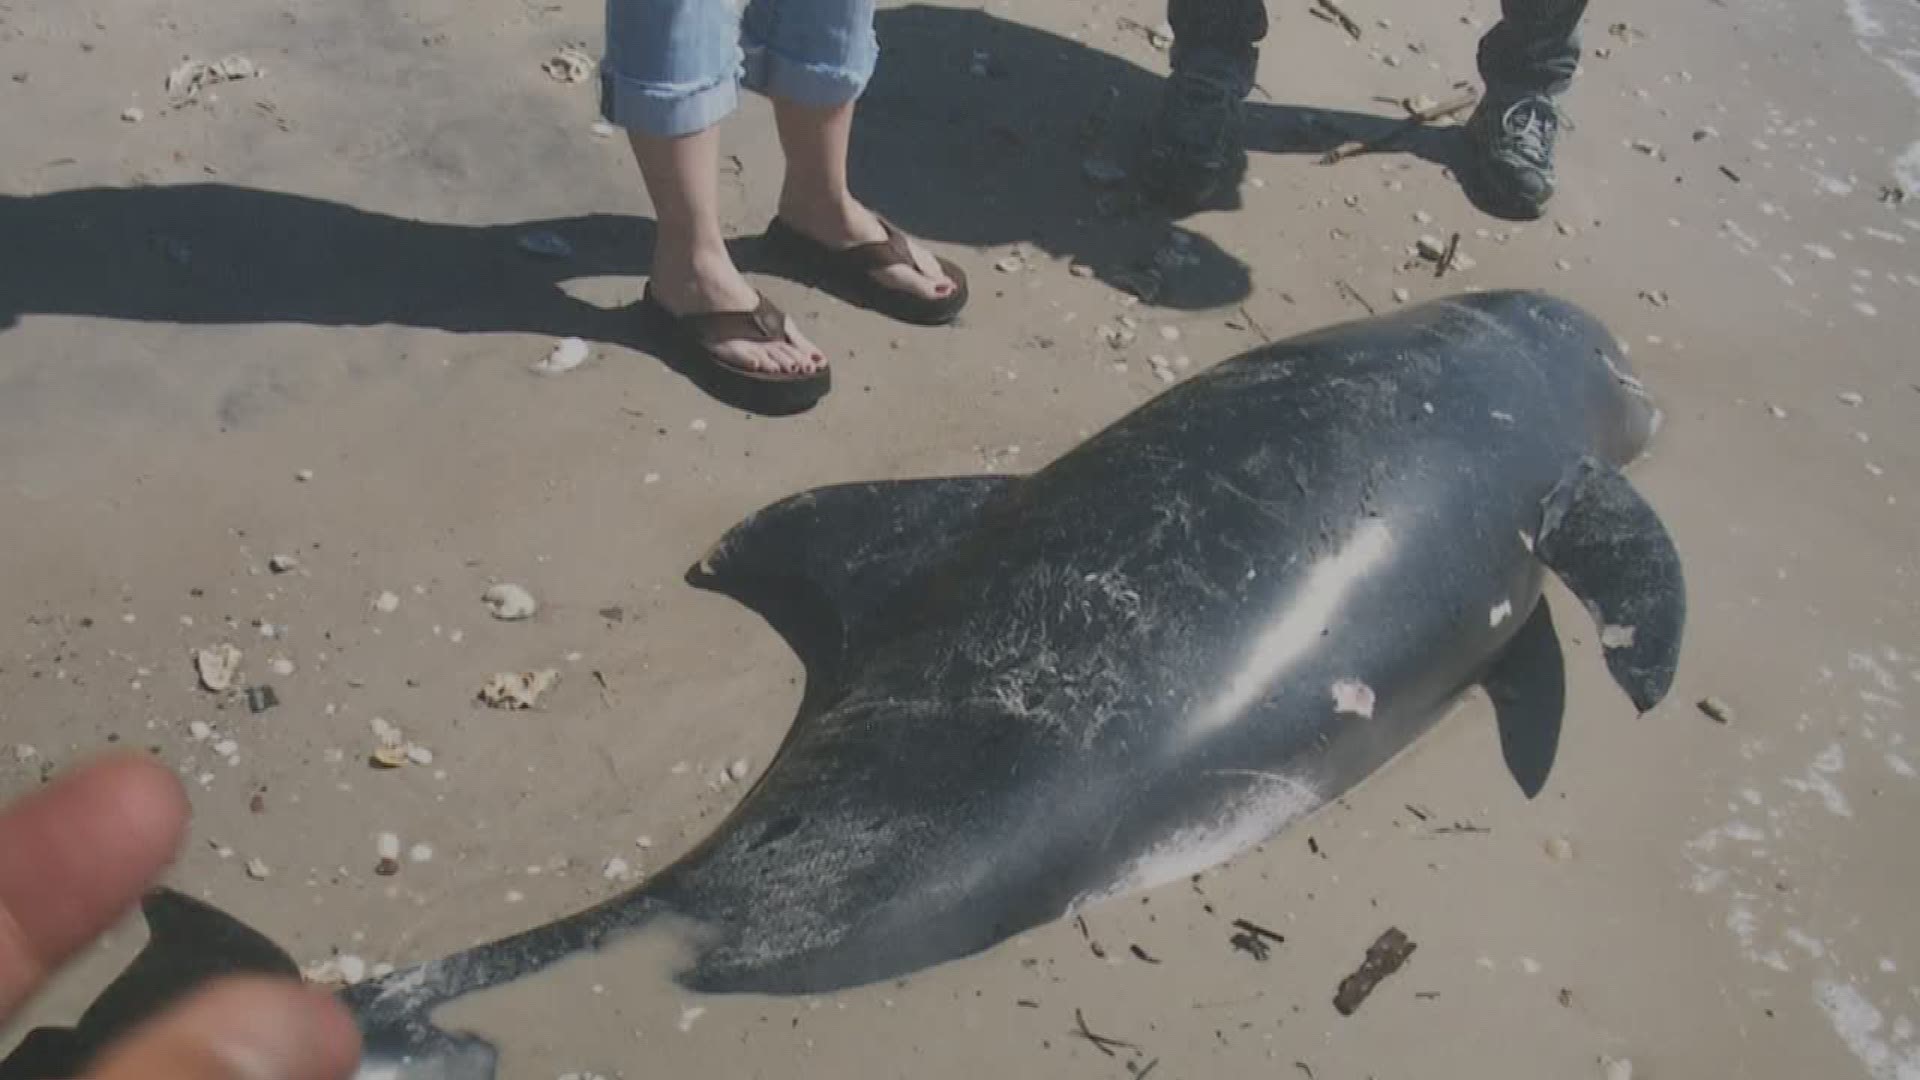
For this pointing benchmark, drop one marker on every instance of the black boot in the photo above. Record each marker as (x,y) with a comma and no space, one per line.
(1194,154)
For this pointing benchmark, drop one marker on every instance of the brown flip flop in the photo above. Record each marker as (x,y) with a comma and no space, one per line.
(691,339)
(851,271)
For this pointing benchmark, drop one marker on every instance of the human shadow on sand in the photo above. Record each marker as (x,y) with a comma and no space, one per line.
(975,132)
(956,157)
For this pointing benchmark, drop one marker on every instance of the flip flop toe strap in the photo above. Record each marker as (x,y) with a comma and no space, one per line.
(764,324)
(881,254)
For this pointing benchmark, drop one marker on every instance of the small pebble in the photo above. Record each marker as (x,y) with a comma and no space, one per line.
(388,845)
(282,666)
(1852,397)
(1012,264)
(1423,217)
(200,730)
(386,603)
(1563,264)
(697,425)
(304,476)
(1777,412)
(387,867)
(1402,295)
(281,564)
(421,853)
(352,969)
(1560,849)
(738,770)
(602,130)
(257,870)
(1170,333)
(1716,709)
(616,869)
(133,115)
(1616,1069)
(419,755)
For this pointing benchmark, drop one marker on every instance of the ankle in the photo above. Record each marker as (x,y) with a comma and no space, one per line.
(698,278)
(835,211)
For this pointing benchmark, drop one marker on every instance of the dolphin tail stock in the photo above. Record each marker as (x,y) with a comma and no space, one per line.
(393,1011)
(1611,550)
(189,944)
(821,564)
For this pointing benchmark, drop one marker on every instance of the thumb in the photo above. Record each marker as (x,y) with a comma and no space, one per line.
(241,1029)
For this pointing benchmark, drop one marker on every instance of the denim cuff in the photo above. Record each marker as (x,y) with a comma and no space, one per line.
(787,79)
(666,110)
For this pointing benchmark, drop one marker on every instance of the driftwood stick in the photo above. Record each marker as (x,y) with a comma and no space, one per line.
(1401,130)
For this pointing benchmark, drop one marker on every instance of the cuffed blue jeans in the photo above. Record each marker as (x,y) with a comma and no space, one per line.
(676,67)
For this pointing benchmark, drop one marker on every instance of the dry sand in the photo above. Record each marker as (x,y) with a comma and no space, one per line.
(316,269)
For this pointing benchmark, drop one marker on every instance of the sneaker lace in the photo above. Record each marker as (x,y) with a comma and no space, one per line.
(1530,125)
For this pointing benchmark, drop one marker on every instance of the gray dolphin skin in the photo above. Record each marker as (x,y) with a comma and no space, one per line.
(1029,694)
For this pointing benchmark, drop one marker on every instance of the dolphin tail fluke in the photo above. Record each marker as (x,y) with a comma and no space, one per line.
(843,552)
(1612,551)
(189,944)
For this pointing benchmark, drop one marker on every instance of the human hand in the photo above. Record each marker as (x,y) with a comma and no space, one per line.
(77,855)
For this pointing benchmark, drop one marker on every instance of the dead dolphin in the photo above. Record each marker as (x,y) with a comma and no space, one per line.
(1027,694)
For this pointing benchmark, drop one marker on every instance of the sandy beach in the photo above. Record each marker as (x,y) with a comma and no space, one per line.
(293,314)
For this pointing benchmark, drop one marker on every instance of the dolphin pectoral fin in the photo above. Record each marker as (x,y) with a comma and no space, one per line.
(851,547)
(1528,687)
(189,944)
(1612,551)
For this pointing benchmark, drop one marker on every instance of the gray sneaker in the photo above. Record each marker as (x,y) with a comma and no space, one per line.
(1194,153)
(1512,139)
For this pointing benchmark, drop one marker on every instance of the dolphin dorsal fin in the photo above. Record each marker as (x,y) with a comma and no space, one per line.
(1610,548)
(850,548)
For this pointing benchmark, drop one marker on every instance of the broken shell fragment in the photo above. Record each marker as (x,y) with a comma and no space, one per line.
(518,690)
(509,602)
(217,667)
(569,66)
(568,354)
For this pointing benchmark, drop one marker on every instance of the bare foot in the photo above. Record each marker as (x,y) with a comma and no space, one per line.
(842,225)
(703,285)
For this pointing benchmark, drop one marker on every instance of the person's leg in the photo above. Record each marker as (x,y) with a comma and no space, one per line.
(1194,152)
(1527,59)
(1534,48)
(670,75)
(813,58)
